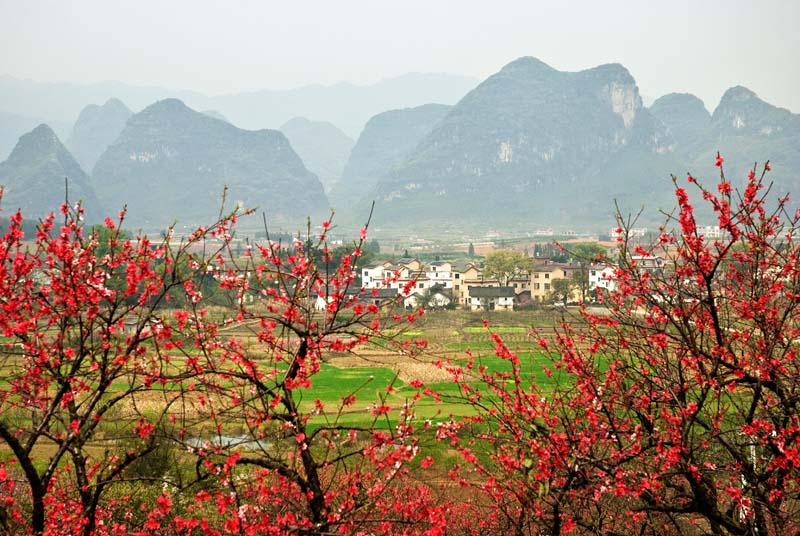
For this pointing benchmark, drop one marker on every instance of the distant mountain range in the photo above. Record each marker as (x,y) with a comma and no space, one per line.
(347,106)
(743,128)
(536,147)
(527,148)
(530,146)
(323,147)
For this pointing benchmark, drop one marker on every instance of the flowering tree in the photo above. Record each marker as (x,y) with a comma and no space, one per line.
(110,354)
(298,464)
(86,344)
(676,411)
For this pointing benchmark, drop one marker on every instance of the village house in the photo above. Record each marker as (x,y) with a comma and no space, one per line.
(440,273)
(617,233)
(712,231)
(491,298)
(477,283)
(521,285)
(545,272)
(386,274)
(436,297)
(602,276)
(446,283)
(464,274)
(652,264)
(373,275)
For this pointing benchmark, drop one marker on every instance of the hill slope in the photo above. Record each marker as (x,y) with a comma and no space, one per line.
(387,139)
(13,125)
(97,127)
(532,146)
(171,162)
(33,176)
(322,146)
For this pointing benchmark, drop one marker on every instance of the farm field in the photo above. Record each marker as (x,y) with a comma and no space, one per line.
(379,373)
(452,337)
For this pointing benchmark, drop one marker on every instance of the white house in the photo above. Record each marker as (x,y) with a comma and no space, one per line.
(441,273)
(437,298)
(602,276)
(713,231)
(491,298)
(638,232)
(372,276)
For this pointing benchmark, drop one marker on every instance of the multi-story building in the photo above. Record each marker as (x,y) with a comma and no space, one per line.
(712,231)
(545,272)
(373,275)
(521,285)
(638,232)
(464,274)
(440,272)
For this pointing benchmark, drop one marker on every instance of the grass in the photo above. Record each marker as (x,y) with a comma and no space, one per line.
(332,383)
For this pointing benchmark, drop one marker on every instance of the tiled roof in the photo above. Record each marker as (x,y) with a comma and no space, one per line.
(491,292)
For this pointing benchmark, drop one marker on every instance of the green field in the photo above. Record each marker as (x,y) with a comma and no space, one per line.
(452,336)
(378,373)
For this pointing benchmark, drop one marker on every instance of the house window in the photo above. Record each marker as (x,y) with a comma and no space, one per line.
(547,276)
(457,276)
(515,285)
(536,286)
(547,286)
(536,276)
(458,287)
(422,285)
(594,273)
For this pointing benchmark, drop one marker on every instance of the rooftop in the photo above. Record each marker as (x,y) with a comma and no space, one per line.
(491,292)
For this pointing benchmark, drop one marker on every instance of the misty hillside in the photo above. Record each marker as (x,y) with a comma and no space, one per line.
(323,147)
(386,140)
(172,163)
(531,146)
(536,147)
(33,177)
(744,128)
(13,125)
(97,127)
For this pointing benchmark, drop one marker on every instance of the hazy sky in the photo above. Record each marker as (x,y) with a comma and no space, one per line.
(702,47)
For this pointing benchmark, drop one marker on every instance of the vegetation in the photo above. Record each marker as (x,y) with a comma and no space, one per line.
(128,405)
(676,411)
(505,265)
